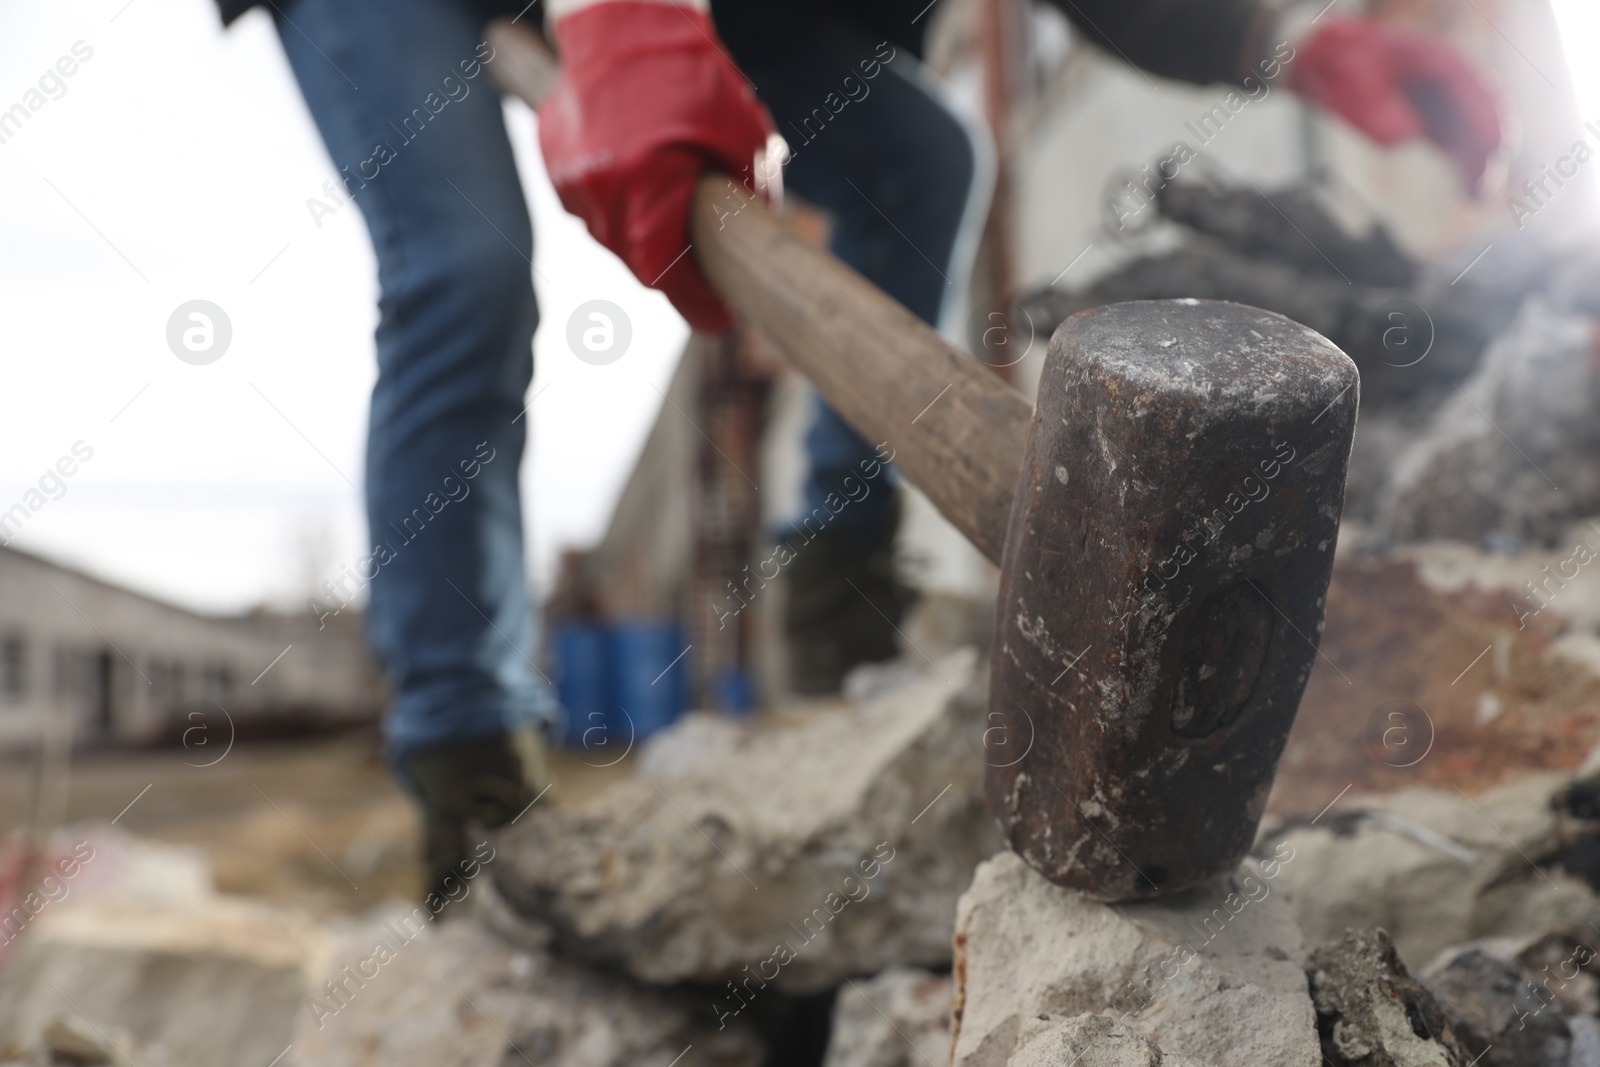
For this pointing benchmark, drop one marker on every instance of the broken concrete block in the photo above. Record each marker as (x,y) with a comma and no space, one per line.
(814,848)
(1295,228)
(1212,976)
(142,964)
(1562,962)
(1510,454)
(1435,868)
(900,1018)
(143,958)
(452,994)
(1372,1013)
(1503,1018)
(1384,330)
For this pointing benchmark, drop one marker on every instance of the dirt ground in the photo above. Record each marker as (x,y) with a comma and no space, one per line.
(315,823)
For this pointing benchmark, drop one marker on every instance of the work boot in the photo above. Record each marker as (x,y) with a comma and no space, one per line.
(844,602)
(465,787)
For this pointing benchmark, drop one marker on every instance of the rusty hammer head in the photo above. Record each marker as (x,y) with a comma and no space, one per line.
(1162,589)
(1163,566)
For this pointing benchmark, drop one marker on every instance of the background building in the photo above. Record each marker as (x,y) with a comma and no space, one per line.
(94,662)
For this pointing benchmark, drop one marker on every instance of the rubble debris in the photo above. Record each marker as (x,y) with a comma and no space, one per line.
(1511,455)
(1372,1013)
(900,1018)
(456,994)
(144,958)
(1501,1015)
(1557,960)
(143,963)
(820,847)
(1477,303)
(1415,648)
(1352,317)
(1475,886)
(1212,976)
(1360,873)
(1412,332)
(1360,319)
(1478,374)
(1293,228)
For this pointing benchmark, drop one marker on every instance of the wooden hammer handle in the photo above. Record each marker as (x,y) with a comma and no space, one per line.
(958,432)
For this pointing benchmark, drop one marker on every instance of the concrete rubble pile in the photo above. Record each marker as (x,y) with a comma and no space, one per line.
(1478,374)
(468,996)
(744,864)
(1511,457)
(1419,927)
(134,958)
(1436,868)
(144,964)
(1489,900)
(1409,929)
(796,855)
(1211,976)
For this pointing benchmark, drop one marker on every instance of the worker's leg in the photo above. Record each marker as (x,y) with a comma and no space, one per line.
(415,129)
(887,160)
(895,170)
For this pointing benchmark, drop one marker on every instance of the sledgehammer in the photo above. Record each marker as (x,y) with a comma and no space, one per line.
(1163,517)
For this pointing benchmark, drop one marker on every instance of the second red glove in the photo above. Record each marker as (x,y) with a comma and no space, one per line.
(1394,87)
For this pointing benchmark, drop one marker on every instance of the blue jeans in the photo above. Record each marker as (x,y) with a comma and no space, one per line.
(890,164)
(450,614)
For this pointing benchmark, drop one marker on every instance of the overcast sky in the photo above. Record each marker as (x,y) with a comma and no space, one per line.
(175,166)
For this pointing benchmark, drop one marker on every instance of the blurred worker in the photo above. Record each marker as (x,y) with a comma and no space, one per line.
(652,93)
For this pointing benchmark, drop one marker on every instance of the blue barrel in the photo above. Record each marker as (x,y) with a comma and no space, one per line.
(649,675)
(736,691)
(582,677)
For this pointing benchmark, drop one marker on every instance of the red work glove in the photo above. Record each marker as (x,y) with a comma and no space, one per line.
(1394,87)
(648,101)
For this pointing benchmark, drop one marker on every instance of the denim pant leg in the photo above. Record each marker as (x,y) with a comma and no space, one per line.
(884,157)
(416,130)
